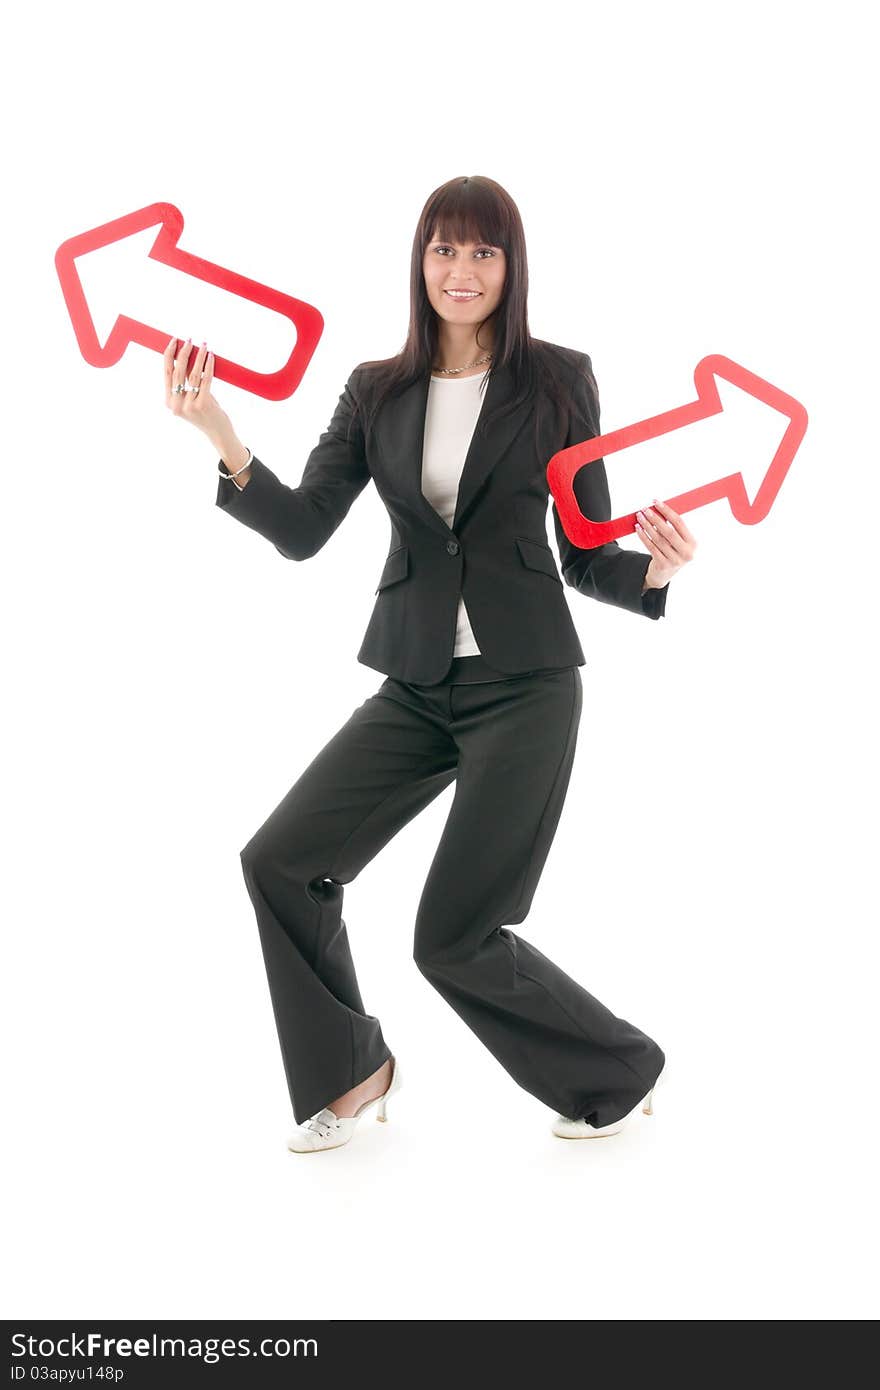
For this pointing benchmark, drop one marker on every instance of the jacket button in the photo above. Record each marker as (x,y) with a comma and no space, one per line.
(452,547)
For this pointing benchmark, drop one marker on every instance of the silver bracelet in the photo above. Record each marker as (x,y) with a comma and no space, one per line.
(250,459)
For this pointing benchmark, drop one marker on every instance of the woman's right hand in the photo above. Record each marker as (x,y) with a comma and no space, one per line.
(198,406)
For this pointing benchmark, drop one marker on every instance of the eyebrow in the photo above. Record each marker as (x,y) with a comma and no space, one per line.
(447,241)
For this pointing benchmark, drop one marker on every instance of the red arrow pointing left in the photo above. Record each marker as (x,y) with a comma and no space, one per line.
(274,386)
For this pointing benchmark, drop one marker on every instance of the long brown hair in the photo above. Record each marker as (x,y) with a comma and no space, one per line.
(477,209)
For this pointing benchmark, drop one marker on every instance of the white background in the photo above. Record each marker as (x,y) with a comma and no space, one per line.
(692,179)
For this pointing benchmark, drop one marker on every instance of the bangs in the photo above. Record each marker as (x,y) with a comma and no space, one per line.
(470,214)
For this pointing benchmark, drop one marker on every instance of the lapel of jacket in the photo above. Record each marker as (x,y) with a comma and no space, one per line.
(400,431)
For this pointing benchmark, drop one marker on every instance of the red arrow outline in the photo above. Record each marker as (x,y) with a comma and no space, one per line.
(563,465)
(273,386)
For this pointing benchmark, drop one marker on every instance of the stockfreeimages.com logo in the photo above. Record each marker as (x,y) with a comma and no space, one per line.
(94,1345)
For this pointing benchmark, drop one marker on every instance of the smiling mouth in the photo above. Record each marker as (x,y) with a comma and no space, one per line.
(463,294)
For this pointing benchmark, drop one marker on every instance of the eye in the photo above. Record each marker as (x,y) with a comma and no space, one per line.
(482,250)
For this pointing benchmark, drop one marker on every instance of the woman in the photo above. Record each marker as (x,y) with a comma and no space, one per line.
(481,658)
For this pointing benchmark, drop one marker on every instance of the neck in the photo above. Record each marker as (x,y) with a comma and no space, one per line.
(457,344)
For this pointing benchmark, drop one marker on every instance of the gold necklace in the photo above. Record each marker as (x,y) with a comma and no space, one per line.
(454,371)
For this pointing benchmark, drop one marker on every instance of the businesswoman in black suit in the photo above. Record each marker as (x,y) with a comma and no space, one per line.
(482,684)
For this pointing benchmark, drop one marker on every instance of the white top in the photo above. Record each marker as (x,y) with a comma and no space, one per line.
(454,405)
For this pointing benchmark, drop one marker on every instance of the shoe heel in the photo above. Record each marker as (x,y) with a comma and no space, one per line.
(648,1102)
(381,1113)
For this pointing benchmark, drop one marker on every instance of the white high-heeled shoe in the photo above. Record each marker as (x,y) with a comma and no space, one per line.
(327,1130)
(567,1128)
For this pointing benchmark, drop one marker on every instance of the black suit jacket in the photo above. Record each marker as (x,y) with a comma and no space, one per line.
(495,553)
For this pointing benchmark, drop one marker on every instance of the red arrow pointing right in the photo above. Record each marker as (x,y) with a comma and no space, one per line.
(563,466)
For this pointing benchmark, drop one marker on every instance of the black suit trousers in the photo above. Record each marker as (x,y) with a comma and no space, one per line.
(509,745)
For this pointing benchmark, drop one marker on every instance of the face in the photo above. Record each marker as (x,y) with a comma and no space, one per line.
(474,266)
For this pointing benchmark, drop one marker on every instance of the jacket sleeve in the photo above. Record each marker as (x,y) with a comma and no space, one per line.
(300,520)
(606,572)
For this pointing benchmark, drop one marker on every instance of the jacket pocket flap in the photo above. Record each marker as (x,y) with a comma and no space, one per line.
(537,555)
(396,567)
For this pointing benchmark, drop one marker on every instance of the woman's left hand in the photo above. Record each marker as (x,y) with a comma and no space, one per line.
(670,542)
